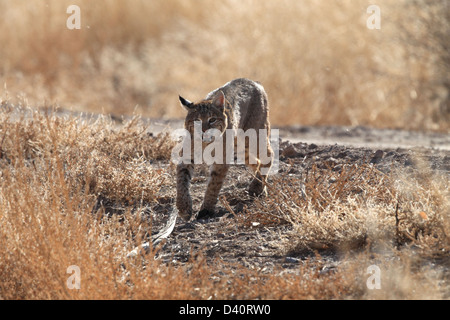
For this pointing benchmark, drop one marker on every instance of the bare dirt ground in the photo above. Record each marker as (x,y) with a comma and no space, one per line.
(222,239)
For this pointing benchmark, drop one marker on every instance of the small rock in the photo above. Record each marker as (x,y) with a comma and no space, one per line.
(408,162)
(290,152)
(291,260)
(377,157)
(341,155)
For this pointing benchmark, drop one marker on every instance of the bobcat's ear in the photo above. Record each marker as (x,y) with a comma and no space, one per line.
(188,105)
(219,100)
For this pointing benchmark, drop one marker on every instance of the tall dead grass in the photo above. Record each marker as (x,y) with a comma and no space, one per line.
(318,61)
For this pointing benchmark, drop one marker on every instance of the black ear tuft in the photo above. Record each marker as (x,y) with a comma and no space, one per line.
(186,103)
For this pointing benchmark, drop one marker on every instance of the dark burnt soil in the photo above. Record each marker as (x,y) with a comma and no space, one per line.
(222,239)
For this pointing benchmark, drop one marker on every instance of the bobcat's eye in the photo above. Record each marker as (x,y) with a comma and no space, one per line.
(212,120)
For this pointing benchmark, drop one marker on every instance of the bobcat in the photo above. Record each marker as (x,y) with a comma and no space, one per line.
(239,104)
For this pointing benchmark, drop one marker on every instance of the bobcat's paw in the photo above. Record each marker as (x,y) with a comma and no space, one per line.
(205,213)
(257,189)
(185,214)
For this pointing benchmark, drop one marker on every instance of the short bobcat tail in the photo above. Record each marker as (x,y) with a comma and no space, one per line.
(164,233)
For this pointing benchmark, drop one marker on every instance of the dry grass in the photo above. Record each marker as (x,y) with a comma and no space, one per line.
(359,206)
(317,60)
(54,168)
(399,222)
(52,171)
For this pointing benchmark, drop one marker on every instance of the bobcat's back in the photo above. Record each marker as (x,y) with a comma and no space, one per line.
(249,104)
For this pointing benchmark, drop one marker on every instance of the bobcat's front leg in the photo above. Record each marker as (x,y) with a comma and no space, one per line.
(216,179)
(184,200)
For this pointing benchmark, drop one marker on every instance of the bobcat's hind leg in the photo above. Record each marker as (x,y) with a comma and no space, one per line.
(258,185)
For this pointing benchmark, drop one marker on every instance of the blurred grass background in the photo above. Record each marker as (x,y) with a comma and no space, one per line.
(318,61)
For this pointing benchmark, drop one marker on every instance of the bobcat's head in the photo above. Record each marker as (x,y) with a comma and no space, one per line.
(211,113)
